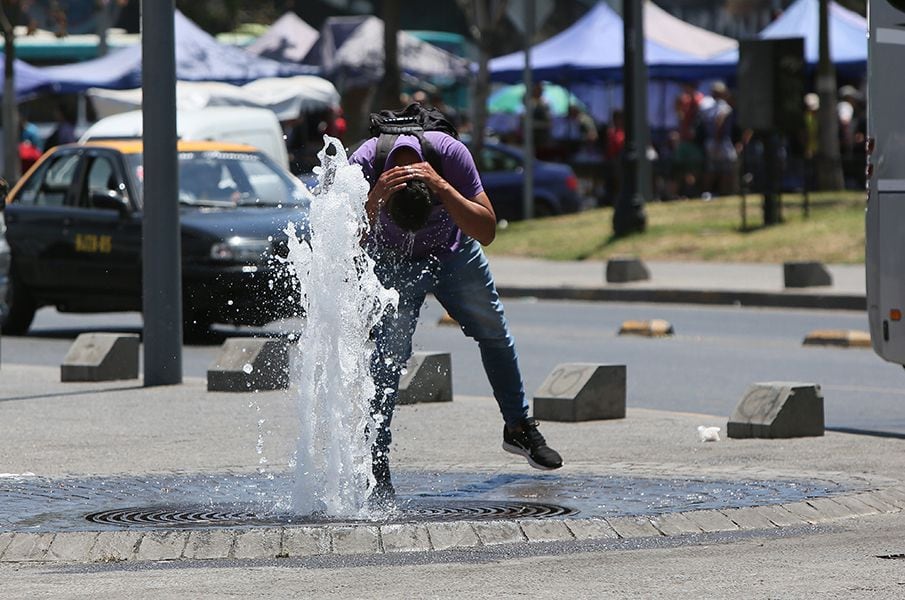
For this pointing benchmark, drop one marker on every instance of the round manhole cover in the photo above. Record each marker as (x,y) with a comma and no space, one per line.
(407,511)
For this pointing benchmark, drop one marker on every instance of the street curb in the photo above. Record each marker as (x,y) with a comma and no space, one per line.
(243,543)
(685,296)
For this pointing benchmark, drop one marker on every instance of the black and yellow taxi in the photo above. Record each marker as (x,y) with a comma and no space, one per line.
(74,224)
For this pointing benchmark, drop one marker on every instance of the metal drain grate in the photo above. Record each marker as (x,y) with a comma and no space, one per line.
(409,511)
(455,511)
(136,517)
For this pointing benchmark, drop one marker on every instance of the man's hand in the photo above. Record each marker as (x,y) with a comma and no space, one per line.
(426,173)
(392,181)
(389,182)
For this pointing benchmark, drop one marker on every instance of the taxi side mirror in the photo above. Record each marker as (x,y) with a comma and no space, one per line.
(110,201)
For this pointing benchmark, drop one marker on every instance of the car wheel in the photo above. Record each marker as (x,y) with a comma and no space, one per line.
(542,208)
(20,308)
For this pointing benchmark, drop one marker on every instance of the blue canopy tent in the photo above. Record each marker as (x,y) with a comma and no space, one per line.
(29,81)
(199,57)
(848,35)
(590,52)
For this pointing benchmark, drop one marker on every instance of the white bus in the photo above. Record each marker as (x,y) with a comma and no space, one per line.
(885,222)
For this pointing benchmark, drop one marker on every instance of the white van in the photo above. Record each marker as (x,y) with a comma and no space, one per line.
(258,127)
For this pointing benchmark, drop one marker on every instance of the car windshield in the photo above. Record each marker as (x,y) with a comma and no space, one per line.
(229,179)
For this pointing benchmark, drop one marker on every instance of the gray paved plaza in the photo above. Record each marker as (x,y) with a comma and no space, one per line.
(119,430)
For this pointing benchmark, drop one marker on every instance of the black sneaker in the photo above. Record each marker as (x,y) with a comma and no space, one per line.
(529,442)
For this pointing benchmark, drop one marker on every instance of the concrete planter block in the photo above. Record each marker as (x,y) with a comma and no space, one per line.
(248,364)
(625,269)
(778,410)
(581,392)
(428,378)
(101,357)
(805,274)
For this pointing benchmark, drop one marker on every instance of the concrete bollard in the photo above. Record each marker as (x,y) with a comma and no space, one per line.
(805,274)
(652,328)
(581,392)
(778,410)
(428,378)
(626,268)
(250,364)
(101,357)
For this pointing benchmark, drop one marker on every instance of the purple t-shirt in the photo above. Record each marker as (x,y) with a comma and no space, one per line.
(440,236)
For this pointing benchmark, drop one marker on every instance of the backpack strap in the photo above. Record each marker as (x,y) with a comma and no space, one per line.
(430,153)
(386,141)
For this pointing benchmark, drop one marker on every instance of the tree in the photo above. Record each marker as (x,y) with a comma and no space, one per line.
(390,87)
(829,161)
(213,15)
(485,18)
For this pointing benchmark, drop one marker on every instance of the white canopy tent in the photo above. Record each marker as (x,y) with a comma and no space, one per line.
(350,50)
(288,40)
(671,32)
(287,97)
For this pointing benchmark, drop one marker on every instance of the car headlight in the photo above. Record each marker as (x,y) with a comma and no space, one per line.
(242,250)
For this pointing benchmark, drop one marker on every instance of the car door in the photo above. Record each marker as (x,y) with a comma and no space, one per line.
(502,176)
(35,221)
(103,235)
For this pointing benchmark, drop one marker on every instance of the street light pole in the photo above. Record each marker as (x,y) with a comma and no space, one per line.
(628,215)
(161,247)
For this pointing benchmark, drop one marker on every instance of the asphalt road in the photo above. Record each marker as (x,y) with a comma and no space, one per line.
(706,367)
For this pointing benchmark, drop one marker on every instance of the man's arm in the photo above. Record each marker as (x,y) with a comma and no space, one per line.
(474,216)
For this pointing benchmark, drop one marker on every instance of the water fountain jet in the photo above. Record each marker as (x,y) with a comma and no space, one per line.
(330,371)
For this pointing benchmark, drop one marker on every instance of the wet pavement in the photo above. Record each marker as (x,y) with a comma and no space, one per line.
(40,504)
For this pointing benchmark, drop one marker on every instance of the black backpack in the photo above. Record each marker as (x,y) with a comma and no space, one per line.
(414,119)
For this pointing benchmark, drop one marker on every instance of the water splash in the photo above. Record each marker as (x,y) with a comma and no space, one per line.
(330,371)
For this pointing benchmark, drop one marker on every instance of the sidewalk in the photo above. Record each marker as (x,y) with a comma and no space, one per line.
(136,436)
(748,284)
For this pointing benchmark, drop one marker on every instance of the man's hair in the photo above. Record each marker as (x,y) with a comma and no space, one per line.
(411,206)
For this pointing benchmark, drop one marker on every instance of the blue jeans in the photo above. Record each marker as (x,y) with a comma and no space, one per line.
(464,286)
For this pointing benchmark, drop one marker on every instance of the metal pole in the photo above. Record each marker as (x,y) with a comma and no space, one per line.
(10,109)
(528,121)
(628,215)
(161,248)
